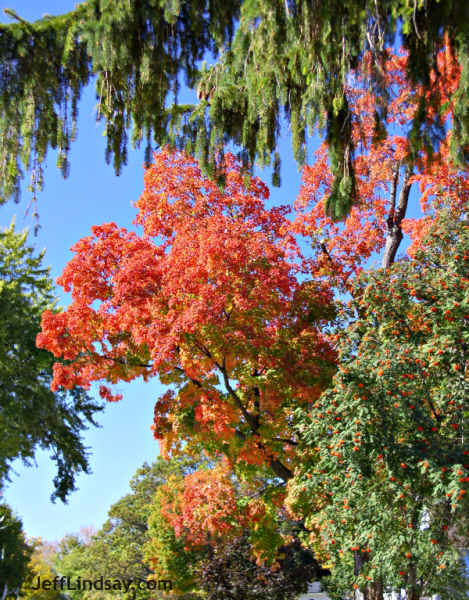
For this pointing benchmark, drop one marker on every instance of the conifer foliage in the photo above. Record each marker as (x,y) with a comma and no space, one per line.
(286,57)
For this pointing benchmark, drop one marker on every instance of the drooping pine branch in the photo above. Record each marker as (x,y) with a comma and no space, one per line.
(289,58)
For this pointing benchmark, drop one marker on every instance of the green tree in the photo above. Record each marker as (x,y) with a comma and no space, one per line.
(73,559)
(116,551)
(385,478)
(15,553)
(291,58)
(31,415)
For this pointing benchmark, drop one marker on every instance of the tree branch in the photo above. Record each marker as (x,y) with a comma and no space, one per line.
(277,467)
(394,222)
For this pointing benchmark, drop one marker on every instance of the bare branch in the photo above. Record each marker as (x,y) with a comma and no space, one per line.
(396,215)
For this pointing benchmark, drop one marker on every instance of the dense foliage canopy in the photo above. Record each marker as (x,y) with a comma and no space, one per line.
(328,398)
(291,58)
(384,480)
(220,300)
(207,300)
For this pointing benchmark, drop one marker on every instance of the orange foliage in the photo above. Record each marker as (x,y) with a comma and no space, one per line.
(205,508)
(207,299)
(342,249)
(212,298)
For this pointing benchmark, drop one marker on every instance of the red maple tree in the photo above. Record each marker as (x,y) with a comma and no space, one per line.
(208,299)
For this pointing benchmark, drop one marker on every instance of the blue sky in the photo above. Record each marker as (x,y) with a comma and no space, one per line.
(91,195)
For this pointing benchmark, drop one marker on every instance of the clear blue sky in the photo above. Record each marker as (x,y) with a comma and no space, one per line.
(68,208)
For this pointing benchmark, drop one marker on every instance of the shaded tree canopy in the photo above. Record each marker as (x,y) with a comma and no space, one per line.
(31,415)
(229,572)
(283,57)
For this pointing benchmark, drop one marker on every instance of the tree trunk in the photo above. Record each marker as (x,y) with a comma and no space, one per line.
(394,221)
(374,591)
(413,589)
